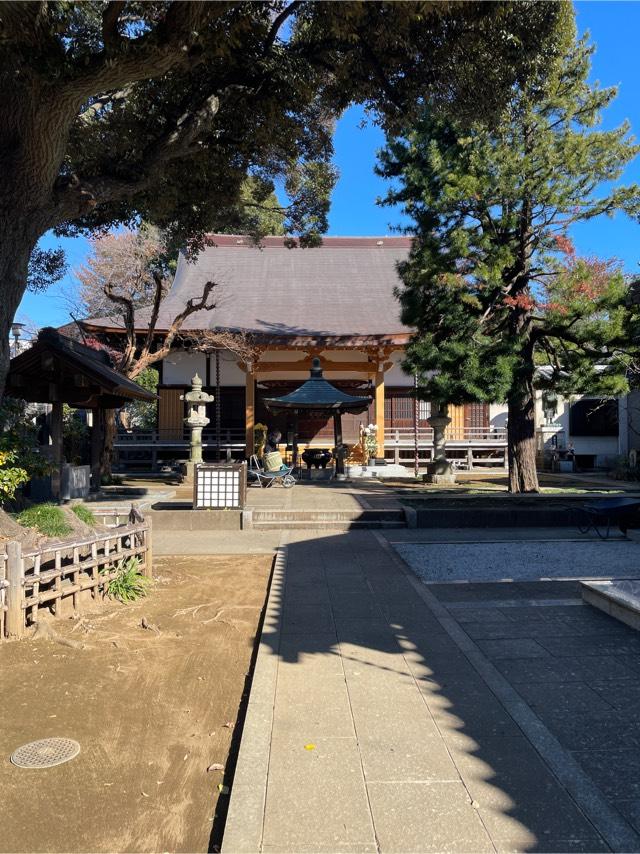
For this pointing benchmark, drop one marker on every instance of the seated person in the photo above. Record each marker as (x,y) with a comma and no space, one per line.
(273,440)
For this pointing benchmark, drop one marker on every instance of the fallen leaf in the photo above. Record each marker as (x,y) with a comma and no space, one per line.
(224,790)
(229,725)
(216,767)
(144,794)
(309,747)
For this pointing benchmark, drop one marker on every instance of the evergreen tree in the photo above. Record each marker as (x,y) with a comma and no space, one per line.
(492,284)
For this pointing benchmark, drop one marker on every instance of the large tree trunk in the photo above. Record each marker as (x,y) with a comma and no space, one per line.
(15,250)
(34,128)
(521,440)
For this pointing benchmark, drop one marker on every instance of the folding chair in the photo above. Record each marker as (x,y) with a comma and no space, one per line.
(283,475)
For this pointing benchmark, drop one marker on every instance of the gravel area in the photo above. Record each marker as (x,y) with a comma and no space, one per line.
(525,560)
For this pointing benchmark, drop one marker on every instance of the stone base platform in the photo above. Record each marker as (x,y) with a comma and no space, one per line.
(619,599)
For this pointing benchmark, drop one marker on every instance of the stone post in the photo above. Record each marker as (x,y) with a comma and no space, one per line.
(196,401)
(439,469)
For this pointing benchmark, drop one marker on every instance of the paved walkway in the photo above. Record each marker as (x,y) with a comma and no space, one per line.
(389,716)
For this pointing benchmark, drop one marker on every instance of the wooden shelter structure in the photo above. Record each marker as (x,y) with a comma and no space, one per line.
(319,395)
(59,370)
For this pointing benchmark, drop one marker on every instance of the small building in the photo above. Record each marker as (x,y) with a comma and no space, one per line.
(336,302)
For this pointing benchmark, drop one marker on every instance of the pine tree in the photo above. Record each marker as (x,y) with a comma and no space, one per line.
(492,284)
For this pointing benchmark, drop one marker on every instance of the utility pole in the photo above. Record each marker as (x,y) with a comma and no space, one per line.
(416,412)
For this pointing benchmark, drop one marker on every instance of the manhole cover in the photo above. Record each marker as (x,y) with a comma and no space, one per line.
(45,753)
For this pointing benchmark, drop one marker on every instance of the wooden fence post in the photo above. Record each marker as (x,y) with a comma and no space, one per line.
(15,590)
(148,558)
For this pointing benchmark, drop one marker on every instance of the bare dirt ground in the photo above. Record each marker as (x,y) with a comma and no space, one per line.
(153,708)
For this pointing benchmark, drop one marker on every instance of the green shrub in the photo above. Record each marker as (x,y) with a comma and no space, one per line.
(20,459)
(84,514)
(259,438)
(46,518)
(143,414)
(128,584)
(75,435)
(111,480)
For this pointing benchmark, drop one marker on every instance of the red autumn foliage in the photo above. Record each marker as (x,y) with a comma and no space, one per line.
(523,301)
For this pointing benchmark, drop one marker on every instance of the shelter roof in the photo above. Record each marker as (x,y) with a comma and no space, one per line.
(340,291)
(57,368)
(317,393)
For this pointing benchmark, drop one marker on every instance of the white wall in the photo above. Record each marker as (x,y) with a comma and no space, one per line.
(230,373)
(180,366)
(498,415)
(395,376)
(604,448)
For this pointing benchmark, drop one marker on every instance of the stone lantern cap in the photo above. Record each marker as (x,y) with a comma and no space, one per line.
(196,395)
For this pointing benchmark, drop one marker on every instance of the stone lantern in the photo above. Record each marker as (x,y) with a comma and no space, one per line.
(439,469)
(196,419)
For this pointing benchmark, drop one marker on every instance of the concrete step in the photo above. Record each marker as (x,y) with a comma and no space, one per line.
(354,515)
(343,520)
(328,526)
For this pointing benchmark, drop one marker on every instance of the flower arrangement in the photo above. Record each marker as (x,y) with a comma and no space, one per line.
(369,439)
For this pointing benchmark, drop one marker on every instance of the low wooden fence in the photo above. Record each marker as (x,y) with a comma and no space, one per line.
(42,578)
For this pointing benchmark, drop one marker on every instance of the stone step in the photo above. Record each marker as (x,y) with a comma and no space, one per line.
(619,598)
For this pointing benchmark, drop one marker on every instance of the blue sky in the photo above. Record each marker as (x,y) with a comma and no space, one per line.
(613,27)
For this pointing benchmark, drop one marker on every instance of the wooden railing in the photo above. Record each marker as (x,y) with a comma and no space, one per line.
(42,578)
(404,436)
(233,437)
(236,436)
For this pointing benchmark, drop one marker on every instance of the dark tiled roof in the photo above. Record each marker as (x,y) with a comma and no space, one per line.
(344,288)
(70,359)
(317,393)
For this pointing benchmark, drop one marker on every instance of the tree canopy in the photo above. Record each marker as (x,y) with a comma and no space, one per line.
(493,284)
(120,111)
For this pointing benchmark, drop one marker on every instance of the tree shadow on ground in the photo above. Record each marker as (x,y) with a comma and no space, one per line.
(358,648)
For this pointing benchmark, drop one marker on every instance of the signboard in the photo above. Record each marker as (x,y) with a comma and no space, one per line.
(75,482)
(219,486)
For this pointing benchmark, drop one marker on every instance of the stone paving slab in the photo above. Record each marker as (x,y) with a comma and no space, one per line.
(214,542)
(427,817)
(316,796)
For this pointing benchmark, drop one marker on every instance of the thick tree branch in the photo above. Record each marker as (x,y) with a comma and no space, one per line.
(278,21)
(25,24)
(110,16)
(88,115)
(171,44)
(77,195)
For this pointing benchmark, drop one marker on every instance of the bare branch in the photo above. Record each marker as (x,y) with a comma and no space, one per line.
(155,309)
(190,308)
(128,315)
(207,341)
